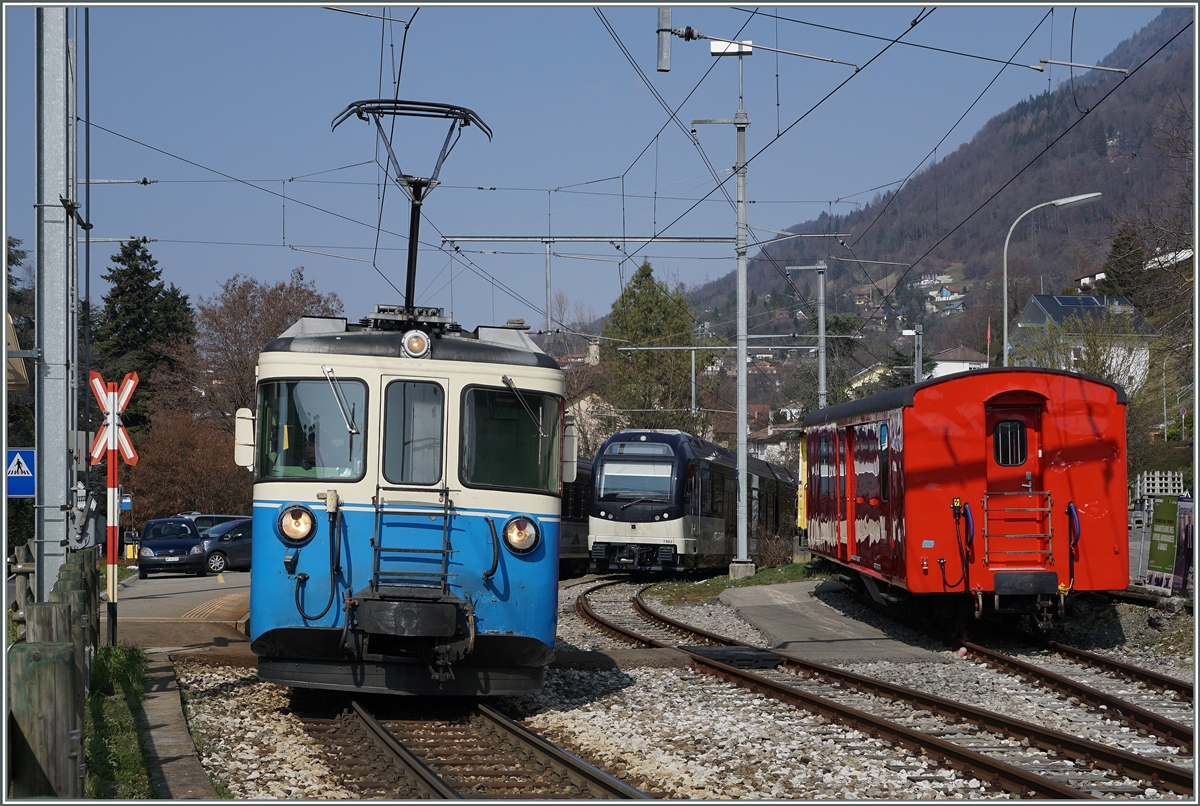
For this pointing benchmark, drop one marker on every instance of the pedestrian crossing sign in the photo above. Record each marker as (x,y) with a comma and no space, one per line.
(21,464)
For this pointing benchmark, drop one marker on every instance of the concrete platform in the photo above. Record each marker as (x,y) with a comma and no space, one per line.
(797,622)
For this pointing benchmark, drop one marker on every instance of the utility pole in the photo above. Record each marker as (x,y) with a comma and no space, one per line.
(741,566)
(819,267)
(55,329)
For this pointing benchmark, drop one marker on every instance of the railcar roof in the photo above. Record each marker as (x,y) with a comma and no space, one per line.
(702,449)
(486,345)
(904,395)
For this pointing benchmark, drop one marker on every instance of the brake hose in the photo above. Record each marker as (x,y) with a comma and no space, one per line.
(962,553)
(1076,530)
(495,550)
(335,558)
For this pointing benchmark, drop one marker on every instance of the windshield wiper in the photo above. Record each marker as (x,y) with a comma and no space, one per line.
(536,421)
(637,501)
(347,414)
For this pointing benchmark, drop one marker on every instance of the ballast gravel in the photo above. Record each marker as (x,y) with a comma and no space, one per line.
(248,743)
(672,732)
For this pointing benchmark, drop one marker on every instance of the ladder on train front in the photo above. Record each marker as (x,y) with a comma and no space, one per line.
(383,572)
(1018,530)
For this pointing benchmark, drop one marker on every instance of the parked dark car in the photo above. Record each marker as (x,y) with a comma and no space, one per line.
(205,522)
(171,544)
(227,546)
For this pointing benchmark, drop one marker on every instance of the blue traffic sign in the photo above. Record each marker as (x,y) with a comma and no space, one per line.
(21,466)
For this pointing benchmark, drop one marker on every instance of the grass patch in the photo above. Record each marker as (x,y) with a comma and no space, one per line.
(124,572)
(707,590)
(116,763)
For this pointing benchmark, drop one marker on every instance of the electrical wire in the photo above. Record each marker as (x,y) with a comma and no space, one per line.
(1041,153)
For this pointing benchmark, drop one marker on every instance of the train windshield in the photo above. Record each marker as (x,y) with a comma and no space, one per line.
(302,431)
(634,481)
(511,440)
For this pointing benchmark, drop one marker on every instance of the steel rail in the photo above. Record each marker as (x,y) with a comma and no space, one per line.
(1171,776)
(428,783)
(1001,774)
(1140,674)
(584,775)
(1135,715)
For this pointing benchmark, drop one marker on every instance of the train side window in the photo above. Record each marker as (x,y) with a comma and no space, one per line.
(718,494)
(412,432)
(706,493)
(885,463)
(1009,443)
(823,465)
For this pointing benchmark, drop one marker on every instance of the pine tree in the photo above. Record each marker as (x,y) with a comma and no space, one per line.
(140,324)
(1124,268)
(653,387)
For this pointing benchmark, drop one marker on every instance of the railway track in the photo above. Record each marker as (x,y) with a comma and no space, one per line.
(1017,757)
(1143,699)
(451,749)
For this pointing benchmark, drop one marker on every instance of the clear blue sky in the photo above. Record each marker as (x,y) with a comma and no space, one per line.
(250,93)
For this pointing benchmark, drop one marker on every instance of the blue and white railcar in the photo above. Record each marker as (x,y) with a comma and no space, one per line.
(406,506)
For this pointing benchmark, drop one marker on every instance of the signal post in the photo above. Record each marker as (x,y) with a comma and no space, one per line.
(112,439)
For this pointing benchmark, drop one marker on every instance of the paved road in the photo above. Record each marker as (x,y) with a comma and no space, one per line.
(167,612)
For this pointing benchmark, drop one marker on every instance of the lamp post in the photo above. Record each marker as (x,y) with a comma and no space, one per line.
(1164,384)
(1068,201)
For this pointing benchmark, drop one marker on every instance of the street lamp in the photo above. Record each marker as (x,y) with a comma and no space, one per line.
(1069,201)
(1170,352)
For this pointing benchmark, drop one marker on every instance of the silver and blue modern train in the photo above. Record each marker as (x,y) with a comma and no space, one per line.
(667,501)
(407,482)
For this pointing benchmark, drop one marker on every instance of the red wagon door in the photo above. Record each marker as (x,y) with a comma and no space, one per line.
(1017,533)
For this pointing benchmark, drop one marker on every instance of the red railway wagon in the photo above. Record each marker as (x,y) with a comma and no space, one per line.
(992,491)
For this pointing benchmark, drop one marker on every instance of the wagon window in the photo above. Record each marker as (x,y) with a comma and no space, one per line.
(885,463)
(412,433)
(1009,443)
(823,465)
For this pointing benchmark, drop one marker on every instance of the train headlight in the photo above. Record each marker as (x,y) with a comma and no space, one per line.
(416,344)
(521,535)
(296,523)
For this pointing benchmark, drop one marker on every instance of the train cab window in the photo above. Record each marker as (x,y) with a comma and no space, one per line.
(510,440)
(412,432)
(1009,443)
(303,432)
(885,464)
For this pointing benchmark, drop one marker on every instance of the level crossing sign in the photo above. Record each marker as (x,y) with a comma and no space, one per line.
(113,399)
(21,466)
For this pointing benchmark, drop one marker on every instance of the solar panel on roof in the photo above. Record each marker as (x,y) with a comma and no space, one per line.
(1077,302)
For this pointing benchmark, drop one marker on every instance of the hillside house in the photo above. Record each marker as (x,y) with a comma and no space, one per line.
(957,359)
(1128,355)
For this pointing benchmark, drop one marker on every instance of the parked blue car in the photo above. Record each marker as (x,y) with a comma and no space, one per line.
(227,546)
(171,544)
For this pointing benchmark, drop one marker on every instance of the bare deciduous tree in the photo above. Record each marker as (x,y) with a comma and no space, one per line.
(233,326)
